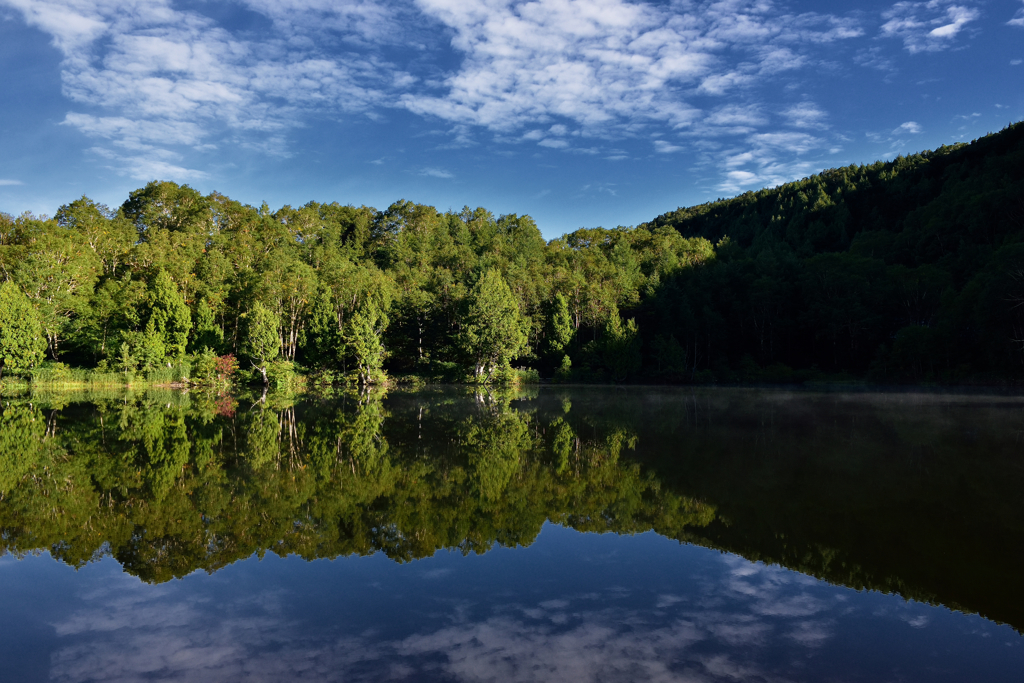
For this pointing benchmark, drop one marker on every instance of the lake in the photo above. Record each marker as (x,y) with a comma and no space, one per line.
(550,534)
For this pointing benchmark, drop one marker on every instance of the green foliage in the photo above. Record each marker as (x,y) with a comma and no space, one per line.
(496,331)
(148,347)
(670,357)
(561,325)
(126,361)
(204,366)
(208,333)
(169,315)
(154,478)
(22,343)
(620,350)
(364,337)
(324,345)
(819,277)
(284,376)
(172,373)
(262,341)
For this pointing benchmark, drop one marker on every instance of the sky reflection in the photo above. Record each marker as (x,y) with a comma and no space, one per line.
(572,606)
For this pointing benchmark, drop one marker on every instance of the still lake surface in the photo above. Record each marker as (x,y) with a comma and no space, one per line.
(557,534)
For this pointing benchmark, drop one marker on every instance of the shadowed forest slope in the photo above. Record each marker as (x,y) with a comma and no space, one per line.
(908,270)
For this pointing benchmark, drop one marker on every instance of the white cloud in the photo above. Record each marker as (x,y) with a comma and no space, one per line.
(732,627)
(437,173)
(173,78)
(148,162)
(1018,19)
(6,182)
(734,115)
(811,633)
(768,159)
(796,142)
(155,85)
(664,147)
(355,20)
(909,127)
(602,64)
(805,115)
(133,133)
(553,144)
(927,26)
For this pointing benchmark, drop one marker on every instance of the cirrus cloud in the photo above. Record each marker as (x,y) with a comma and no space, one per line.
(610,65)
(927,26)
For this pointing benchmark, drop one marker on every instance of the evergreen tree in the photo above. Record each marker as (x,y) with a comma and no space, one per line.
(324,345)
(364,338)
(169,315)
(496,331)
(561,331)
(208,333)
(561,324)
(148,347)
(22,342)
(621,348)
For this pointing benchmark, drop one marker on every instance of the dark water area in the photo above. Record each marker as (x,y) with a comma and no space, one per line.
(595,533)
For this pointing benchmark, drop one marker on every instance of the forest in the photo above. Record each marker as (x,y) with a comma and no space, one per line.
(905,271)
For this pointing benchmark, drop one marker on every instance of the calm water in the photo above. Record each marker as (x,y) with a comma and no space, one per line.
(597,534)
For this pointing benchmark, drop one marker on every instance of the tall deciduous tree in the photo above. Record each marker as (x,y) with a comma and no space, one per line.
(22,343)
(262,342)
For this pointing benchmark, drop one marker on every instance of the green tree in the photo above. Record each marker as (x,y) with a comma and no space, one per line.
(22,343)
(561,324)
(169,315)
(364,338)
(324,345)
(621,352)
(496,331)
(57,272)
(151,350)
(208,334)
(561,331)
(262,343)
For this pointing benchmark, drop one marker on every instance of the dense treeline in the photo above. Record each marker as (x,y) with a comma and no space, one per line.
(909,270)
(341,290)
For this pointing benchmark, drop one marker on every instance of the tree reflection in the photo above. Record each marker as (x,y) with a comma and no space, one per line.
(168,487)
(918,496)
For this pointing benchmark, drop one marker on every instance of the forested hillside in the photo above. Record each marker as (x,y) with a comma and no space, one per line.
(902,271)
(911,270)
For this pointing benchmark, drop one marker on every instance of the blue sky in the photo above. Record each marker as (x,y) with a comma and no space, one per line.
(577,112)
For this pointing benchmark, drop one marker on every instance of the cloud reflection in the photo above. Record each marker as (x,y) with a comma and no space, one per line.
(721,628)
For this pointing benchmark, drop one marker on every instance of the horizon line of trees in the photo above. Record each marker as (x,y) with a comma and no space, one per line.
(909,270)
(349,292)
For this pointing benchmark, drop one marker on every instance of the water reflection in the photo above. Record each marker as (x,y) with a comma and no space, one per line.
(676,614)
(169,486)
(916,495)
